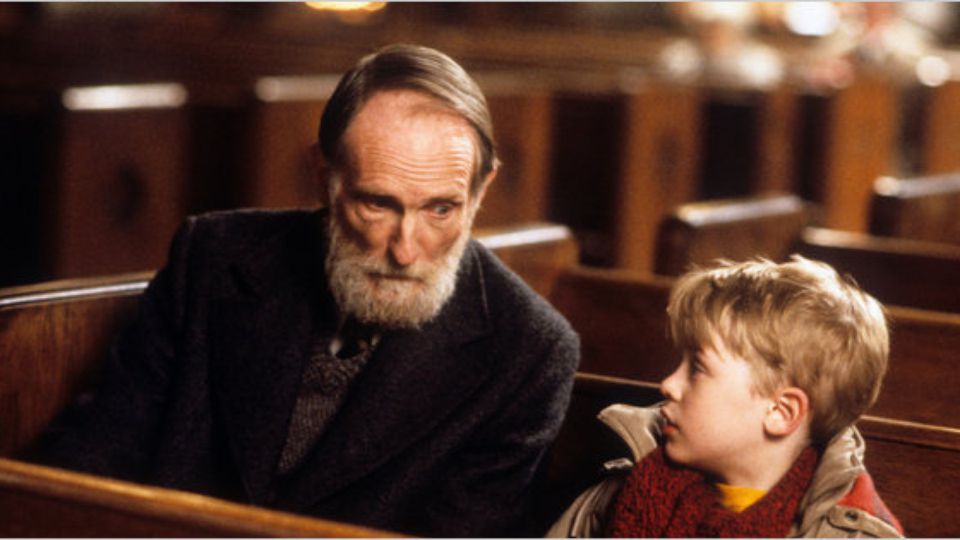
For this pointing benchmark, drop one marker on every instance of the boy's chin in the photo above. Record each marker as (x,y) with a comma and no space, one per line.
(677,454)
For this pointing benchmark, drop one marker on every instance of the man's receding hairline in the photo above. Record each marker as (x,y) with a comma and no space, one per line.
(429,105)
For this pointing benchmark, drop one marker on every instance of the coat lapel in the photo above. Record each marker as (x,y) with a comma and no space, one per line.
(414,380)
(263,331)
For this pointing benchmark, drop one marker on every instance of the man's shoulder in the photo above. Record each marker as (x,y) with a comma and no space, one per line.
(511,300)
(253,222)
(247,232)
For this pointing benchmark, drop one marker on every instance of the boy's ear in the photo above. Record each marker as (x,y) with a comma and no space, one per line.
(788,412)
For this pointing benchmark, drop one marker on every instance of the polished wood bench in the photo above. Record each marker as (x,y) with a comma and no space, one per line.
(736,229)
(903,272)
(916,466)
(622,322)
(924,208)
(37,501)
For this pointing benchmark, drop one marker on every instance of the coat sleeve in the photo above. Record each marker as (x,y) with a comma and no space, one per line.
(491,492)
(111,430)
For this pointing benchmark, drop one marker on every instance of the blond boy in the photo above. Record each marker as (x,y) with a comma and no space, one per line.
(755,436)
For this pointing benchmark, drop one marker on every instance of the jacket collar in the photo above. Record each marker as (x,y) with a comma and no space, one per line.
(263,334)
(839,468)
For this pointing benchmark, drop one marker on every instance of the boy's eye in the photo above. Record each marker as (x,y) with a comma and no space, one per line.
(696,368)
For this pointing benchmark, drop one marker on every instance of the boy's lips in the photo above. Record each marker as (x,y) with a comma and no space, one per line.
(668,426)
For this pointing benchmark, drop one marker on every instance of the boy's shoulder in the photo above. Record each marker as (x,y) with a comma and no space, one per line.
(639,427)
(863,496)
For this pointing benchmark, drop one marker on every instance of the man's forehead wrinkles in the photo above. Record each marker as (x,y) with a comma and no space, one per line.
(387,161)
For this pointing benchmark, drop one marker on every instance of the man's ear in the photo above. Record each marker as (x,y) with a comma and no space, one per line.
(789,409)
(321,171)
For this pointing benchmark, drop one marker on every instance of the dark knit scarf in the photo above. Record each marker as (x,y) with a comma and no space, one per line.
(661,499)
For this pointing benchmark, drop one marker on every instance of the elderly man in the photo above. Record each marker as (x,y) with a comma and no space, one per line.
(368,363)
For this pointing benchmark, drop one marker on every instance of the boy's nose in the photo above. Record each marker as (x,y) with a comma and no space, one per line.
(669,386)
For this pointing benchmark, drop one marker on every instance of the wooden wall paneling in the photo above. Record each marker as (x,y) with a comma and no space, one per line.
(778,126)
(658,167)
(121,188)
(940,129)
(851,138)
(285,126)
(521,106)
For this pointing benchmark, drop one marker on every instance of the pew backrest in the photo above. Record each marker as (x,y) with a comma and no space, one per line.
(535,251)
(53,337)
(925,208)
(902,272)
(37,501)
(622,321)
(737,229)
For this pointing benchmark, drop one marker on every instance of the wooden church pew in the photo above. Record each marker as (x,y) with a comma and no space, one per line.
(902,272)
(38,501)
(736,229)
(926,208)
(622,322)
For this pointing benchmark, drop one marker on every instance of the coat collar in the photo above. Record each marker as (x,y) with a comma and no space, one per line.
(263,334)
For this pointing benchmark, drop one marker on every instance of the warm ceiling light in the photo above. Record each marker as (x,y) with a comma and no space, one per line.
(347,6)
(132,96)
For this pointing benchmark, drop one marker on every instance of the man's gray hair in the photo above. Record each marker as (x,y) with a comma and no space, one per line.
(411,67)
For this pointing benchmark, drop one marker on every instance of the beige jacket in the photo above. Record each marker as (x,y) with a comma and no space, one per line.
(840,503)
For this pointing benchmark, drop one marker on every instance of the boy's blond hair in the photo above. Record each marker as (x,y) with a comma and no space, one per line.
(797,324)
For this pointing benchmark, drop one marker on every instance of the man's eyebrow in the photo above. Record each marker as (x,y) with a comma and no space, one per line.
(445,199)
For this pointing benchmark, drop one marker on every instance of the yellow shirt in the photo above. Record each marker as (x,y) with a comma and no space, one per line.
(738,498)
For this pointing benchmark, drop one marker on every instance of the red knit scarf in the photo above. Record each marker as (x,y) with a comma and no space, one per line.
(661,499)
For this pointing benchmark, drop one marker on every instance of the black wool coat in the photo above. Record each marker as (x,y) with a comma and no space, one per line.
(440,434)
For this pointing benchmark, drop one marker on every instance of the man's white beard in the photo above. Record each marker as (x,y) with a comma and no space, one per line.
(374,291)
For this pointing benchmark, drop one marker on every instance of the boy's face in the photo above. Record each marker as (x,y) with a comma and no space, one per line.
(713,416)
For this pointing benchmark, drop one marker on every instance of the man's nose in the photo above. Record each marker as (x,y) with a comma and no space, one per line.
(404,250)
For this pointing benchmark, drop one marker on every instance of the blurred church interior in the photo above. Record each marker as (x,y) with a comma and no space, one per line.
(119,119)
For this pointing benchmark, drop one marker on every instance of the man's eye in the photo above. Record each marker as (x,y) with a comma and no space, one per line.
(375,204)
(441,210)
